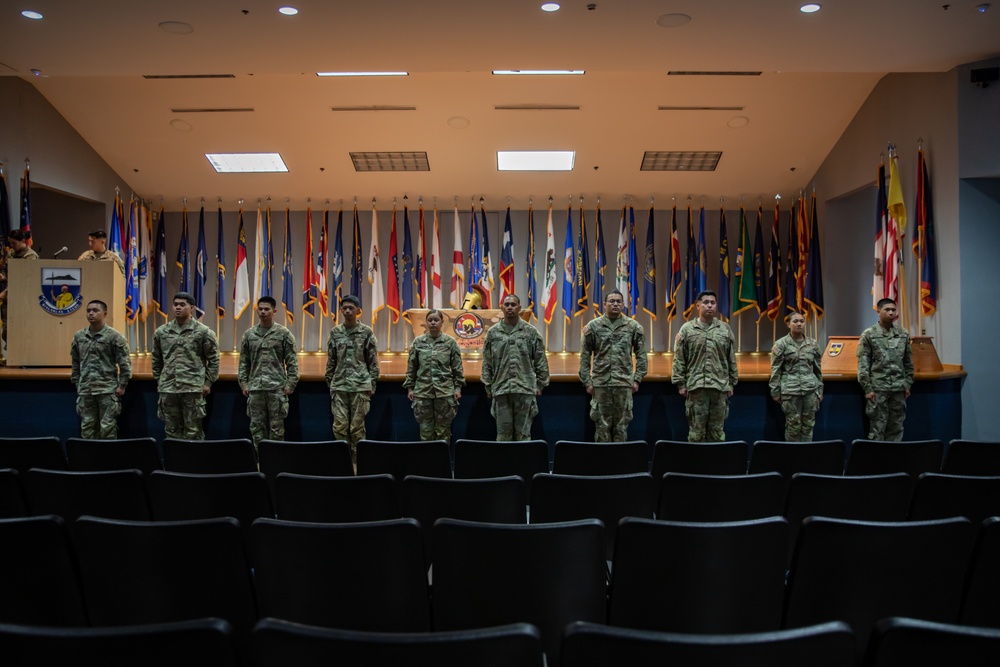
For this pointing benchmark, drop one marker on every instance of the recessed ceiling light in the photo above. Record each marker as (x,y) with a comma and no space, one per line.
(288,11)
(538,71)
(244,163)
(550,7)
(673,20)
(809,8)
(535,160)
(30,14)
(362,73)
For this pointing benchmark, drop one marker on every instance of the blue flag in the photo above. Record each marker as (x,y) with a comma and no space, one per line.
(487,276)
(702,259)
(582,268)
(569,267)
(220,266)
(602,264)
(160,273)
(4,215)
(337,267)
(532,291)
(200,266)
(725,275)
(649,274)
(813,294)
(115,235)
(287,274)
(183,261)
(26,205)
(475,275)
(633,261)
(507,284)
(791,261)
(406,284)
(690,268)
(758,264)
(357,271)
(132,307)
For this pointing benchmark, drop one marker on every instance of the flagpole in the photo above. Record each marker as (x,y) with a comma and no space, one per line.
(564,336)
(651,333)
(758,336)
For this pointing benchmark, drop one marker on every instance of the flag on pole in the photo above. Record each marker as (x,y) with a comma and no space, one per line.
(420,279)
(457,298)
(406,277)
(802,229)
(310,285)
(262,269)
(621,260)
(475,254)
(336,264)
(923,240)
(486,279)
(375,270)
(745,288)
(896,227)
(813,295)
(322,261)
(633,265)
(241,288)
(791,261)
(183,262)
(531,293)
(702,254)
(4,217)
(160,273)
(582,268)
(288,273)
(881,220)
(758,264)
(690,268)
(392,294)
(437,298)
(725,276)
(507,281)
(602,264)
(675,277)
(145,275)
(200,267)
(649,275)
(220,272)
(115,234)
(551,273)
(356,269)
(569,267)
(132,306)
(26,205)
(774,269)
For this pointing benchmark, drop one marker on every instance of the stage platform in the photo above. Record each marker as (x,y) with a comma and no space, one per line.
(41,401)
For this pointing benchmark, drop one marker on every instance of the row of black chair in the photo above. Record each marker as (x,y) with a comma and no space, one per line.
(668,576)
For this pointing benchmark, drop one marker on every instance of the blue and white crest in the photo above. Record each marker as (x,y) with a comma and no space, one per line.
(60,291)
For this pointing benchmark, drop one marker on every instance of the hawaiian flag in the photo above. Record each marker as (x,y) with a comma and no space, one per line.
(649,275)
(582,268)
(287,273)
(602,264)
(507,260)
(220,273)
(675,278)
(923,240)
(310,285)
(774,269)
(241,289)
(183,263)
(457,266)
(532,290)
(551,274)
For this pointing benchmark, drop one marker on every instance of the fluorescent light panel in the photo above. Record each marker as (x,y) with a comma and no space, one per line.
(246,163)
(535,160)
(532,72)
(362,74)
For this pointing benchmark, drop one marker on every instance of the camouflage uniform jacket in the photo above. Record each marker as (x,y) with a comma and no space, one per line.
(100,361)
(106,256)
(267,359)
(185,357)
(795,368)
(611,343)
(25,253)
(352,359)
(434,367)
(514,360)
(705,356)
(885,359)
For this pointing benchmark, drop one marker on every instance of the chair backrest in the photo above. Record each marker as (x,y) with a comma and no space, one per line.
(278,643)
(608,498)
(822,457)
(721,497)
(202,642)
(127,454)
(175,496)
(22,454)
(488,458)
(879,457)
(12,503)
(908,642)
(41,585)
(114,494)
(492,574)
(137,572)
(331,458)
(591,645)
(356,576)
(335,499)
(970,457)
(427,458)
(699,458)
(490,500)
(862,571)
(600,458)
(718,577)
(209,457)
(938,496)
(981,605)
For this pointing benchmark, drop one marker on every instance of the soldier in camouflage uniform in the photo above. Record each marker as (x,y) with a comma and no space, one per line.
(606,369)
(885,371)
(705,371)
(268,373)
(98,240)
(515,369)
(101,370)
(185,364)
(434,379)
(797,379)
(351,373)
(17,240)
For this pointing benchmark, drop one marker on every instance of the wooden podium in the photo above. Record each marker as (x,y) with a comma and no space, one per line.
(841,356)
(47,305)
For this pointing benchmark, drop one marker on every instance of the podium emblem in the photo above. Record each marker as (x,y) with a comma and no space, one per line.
(60,291)
(836,349)
(469,325)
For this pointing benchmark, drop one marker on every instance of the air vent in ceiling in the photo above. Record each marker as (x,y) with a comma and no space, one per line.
(537,107)
(375,107)
(214,110)
(720,73)
(664,108)
(188,76)
(390,161)
(680,160)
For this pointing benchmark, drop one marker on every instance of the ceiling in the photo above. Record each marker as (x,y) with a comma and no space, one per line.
(816,71)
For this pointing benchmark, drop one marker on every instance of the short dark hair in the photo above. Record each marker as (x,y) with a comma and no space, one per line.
(883,302)
(614,291)
(19,234)
(100,303)
(704,293)
(432,311)
(268,300)
(795,311)
(184,296)
(350,298)
(98,234)
(512,296)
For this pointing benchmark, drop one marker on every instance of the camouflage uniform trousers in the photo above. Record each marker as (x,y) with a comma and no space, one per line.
(885,415)
(611,410)
(514,414)
(267,411)
(800,416)
(434,417)
(98,416)
(707,410)
(182,415)
(349,410)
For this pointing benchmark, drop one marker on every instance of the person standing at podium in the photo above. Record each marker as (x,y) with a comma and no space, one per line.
(797,379)
(885,371)
(101,370)
(17,240)
(434,379)
(98,240)
(185,364)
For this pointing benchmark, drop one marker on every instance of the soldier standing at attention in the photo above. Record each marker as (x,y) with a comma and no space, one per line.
(268,373)
(351,374)
(101,369)
(98,240)
(17,241)
(885,371)
(797,379)
(609,344)
(705,371)
(185,364)
(434,379)
(515,369)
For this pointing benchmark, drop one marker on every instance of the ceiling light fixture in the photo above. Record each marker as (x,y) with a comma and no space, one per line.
(550,7)
(288,11)
(535,160)
(810,8)
(31,14)
(556,72)
(246,163)
(362,74)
